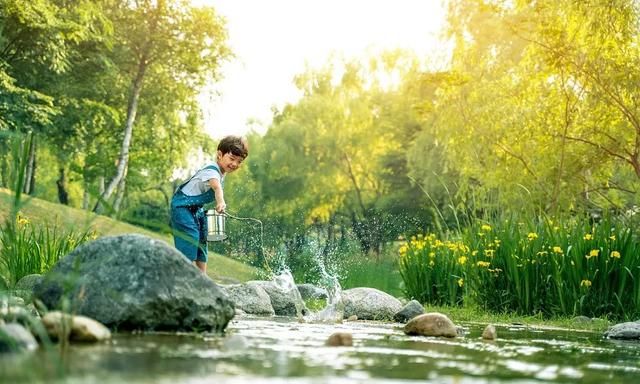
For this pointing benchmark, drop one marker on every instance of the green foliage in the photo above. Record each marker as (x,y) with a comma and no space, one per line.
(538,103)
(26,249)
(374,272)
(315,305)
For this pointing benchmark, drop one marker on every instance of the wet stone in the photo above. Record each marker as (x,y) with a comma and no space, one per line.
(340,339)
(489,333)
(310,291)
(16,338)
(409,311)
(581,319)
(78,328)
(624,331)
(431,324)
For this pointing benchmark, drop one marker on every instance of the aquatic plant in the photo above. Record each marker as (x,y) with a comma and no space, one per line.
(563,267)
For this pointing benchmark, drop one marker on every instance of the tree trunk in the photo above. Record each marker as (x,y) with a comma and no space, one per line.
(30,172)
(4,165)
(85,197)
(101,185)
(120,194)
(132,109)
(63,195)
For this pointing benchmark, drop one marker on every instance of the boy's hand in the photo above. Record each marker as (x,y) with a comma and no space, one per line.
(221,206)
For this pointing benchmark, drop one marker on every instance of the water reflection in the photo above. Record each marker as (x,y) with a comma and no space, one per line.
(270,350)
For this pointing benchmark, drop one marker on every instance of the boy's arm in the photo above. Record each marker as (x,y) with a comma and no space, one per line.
(217,190)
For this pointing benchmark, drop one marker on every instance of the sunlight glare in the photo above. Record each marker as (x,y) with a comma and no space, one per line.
(274,40)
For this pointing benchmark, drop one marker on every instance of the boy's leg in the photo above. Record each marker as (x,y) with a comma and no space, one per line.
(201,258)
(202,265)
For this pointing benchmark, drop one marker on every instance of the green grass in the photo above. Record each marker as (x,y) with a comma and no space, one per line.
(379,273)
(41,212)
(476,315)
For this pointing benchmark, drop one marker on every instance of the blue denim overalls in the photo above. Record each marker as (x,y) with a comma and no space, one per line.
(188,221)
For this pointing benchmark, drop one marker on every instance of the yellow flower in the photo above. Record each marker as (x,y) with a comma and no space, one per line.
(403,250)
(483,264)
(497,242)
(462,260)
(588,236)
(460,282)
(612,237)
(532,236)
(557,250)
(593,253)
(22,220)
(431,263)
(615,254)
(432,254)
(474,253)
(485,227)
(585,283)
(489,252)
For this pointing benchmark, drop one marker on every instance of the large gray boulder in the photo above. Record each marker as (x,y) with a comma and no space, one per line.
(133,282)
(286,300)
(250,298)
(369,304)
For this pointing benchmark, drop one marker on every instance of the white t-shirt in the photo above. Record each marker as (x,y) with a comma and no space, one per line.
(199,183)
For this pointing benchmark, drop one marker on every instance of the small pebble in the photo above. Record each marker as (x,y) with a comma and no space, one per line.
(489,333)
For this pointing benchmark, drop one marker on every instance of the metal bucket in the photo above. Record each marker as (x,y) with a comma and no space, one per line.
(215,224)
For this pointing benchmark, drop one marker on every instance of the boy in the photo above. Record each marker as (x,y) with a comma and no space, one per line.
(188,221)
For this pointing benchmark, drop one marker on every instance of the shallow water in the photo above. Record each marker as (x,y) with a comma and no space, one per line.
(274,350)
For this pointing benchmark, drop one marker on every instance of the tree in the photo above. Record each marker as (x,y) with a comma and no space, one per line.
(540,109)
(164,39)
(36,40)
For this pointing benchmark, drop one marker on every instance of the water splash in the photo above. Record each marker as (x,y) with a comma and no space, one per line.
(334,310)
(284,281)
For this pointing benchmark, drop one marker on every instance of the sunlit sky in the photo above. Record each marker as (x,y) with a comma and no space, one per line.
(274,40)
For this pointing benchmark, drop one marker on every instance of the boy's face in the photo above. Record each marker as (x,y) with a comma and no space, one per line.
(229,162)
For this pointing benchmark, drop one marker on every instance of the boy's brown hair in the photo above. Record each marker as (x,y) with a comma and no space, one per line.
(237,145)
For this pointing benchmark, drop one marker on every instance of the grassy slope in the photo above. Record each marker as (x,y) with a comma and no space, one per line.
(43,212)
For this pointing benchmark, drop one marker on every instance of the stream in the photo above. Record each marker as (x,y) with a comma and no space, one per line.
(277,349)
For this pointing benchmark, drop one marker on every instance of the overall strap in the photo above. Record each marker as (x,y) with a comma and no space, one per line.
(211,166)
